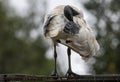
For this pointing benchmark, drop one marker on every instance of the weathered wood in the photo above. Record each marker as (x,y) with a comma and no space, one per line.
(82,78)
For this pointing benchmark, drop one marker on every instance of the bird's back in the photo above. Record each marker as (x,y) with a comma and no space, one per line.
(57,23)
(84,42)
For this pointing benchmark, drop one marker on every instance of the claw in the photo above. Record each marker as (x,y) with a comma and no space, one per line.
(54,74)
(71,74)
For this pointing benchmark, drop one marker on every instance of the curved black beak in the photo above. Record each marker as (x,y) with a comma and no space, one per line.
(47,24)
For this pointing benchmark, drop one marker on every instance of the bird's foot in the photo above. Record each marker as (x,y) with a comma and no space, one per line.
(71,74)
(54,75)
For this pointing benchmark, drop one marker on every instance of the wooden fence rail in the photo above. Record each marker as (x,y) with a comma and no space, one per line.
(44,78)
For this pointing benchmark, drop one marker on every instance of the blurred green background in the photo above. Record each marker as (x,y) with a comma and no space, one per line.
(20,54)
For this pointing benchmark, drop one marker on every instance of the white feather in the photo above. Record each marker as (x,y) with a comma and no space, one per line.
(83,43)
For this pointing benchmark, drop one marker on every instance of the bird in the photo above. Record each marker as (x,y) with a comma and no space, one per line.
(66,25)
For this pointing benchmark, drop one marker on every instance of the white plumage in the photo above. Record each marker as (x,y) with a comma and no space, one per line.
(83,43)
(67,24)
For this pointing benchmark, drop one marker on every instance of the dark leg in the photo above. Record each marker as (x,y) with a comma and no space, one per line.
(69,72)
(55,58)
(69,60)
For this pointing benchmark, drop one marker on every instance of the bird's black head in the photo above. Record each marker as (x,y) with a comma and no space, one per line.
(69,12)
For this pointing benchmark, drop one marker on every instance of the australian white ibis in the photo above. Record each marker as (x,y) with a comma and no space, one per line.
(65,24)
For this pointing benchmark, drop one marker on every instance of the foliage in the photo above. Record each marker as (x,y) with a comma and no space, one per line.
(18,53)
(108,28)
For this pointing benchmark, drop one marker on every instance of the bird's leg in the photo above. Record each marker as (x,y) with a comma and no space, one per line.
(69,62)
(70,72)
(55,58)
